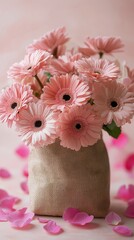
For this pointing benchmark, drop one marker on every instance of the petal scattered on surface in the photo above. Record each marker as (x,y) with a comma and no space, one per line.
(113,218)
(4,173)
(20,218)
(24,187)
(43,220)
(22,151)
(130,209)
(121,141)
(74,216)
(69,214)
(52,227)
(3,216)
(126,193)
(129,163)
(25,170)
(123,230)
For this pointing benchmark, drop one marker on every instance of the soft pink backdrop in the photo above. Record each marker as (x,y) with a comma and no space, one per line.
(25,20)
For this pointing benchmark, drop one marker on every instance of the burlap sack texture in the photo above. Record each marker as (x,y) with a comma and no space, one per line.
(60,178)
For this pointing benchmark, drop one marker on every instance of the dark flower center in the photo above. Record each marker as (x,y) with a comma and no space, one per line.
(114,104)
(29,68)
(38,123)
(78,126)
(66,97)
(13,105)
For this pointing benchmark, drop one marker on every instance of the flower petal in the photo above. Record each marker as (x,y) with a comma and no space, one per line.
(123,230)
(25,171)
(43,220)
(82,218)
(52,227)
(3,216)
(20,218)
(130,209)
(121,141)
(126,193)
(22,151)
(24,187)
(69,214)
(113,218)
(4,173)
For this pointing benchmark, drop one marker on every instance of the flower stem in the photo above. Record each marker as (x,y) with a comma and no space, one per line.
(101,54)
(38,80)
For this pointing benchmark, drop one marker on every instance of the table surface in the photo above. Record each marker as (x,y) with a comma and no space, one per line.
(21,22)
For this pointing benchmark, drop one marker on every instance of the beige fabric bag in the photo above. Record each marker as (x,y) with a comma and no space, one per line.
(60,178)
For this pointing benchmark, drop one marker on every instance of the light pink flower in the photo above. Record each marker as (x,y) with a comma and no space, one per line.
(12,100)
(37,125)
(25,70)
(53,42)
(101,45)
(64,91)
(97,69)
(78,127)
(113,101)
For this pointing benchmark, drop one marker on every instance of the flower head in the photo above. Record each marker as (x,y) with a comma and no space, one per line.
(12,100)
(37,125)
(113,101)
(64,91)
(53,42)
(97,69)
(29,67)
(78,127)
(101,45)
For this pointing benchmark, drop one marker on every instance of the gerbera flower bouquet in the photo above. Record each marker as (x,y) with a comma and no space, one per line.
(66,97)
(68,94)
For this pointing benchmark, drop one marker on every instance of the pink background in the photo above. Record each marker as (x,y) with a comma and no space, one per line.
(25,20)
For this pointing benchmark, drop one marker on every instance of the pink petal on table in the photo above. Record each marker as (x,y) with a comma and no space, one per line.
(3,216)
(129,163)
(113,218)
(8,202)
(25,170)
(123,230)
(3,194)
(4,173)
(43,220)
(52,227)
(20,218)
(82,218)
(130,209)
(22,151)
(69,213)
(121,141)
(126,193)
(24,187)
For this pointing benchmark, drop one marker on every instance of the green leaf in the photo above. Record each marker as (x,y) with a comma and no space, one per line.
(112,129)
(48,74)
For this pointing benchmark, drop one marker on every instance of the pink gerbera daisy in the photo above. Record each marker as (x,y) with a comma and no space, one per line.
(78,127)
(64,91)
(113,101)
(53,42)
(29,67)
(37,125)
(12,100)
(97,69)
(101,45)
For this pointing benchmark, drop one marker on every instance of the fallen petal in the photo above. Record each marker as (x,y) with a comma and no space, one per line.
(69,214)
(82,218)
(20,218)
(25,171)
(129,163)
(3,216)
(24,187)
(121,141)
(130,209)
(126,193)
(123,230)
(52,227)
(43,220)
(4,173)
(113,218)
(22,151)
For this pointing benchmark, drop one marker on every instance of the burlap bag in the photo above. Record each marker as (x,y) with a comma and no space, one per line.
(60,178)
